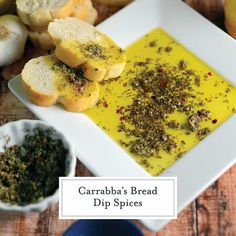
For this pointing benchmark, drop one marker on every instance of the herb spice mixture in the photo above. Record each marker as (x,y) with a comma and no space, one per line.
(74,77)
(166,102)
(160,92)
(94,51)
(30,171)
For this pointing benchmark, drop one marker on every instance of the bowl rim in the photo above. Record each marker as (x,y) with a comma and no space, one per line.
(43,203)
(77,223)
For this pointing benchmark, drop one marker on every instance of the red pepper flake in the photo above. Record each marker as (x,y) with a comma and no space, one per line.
(214,121)
(209,73)
(105,104)
(163,84)
(160,70)
(146,90)
(122,118)
(120,110)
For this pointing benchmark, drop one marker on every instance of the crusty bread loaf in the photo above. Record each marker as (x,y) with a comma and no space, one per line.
(40,13)
(79,44)
(49,81)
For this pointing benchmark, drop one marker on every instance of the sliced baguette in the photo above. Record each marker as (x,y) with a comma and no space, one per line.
(84,10)
(41,40)
(39,36)
(79,44)
(229,11)
(92,17)
(49,81)
(81,9)
(40,13)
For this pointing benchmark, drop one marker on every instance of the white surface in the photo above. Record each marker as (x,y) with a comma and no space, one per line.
(204,163)
(118,198)
(13,133)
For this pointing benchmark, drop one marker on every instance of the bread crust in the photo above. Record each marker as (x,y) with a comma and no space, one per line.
(83,103)
(115,70)
(229,11)
(92,17)
(43,100)
(230,29)
(94,73)
(82,9)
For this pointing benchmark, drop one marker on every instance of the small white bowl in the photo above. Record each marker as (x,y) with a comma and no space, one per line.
(13,133)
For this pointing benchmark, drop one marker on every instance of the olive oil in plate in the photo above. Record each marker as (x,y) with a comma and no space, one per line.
(166,101)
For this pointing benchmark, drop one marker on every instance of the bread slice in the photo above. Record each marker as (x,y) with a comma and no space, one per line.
(229,11)
(49,81)
(79,44)
(39,36)
(81,9)
(92,17)
(40,13)
(41,40)
(231,28)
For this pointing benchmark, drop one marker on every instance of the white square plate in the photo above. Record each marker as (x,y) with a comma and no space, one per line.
(204,163)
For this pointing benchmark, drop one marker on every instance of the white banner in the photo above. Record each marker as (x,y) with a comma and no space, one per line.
(117,198)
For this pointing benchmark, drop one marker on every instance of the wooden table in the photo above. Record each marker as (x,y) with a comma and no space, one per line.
(212,213)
